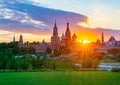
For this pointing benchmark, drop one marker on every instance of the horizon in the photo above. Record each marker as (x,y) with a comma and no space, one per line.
(93,14)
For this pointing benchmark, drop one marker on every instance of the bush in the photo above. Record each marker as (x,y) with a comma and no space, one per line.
(115,69)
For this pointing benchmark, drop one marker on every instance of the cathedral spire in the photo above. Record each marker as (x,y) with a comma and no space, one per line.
(55,39)
(67,33)
(102,38)
(21,39)
(55,29)
(14,38)
(67,25)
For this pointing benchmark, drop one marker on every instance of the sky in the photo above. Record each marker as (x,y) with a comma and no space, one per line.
(101,13)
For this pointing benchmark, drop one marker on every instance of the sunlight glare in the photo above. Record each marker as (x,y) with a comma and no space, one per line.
(85,41)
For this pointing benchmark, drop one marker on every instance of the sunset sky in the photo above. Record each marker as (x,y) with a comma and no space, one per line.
(103,13)
(100,13)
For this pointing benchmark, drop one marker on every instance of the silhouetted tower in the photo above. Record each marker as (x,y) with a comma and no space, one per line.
(14,38)
(68,34)
(55,39)
(21,40)
(74,37)
(55,30)
(102,38)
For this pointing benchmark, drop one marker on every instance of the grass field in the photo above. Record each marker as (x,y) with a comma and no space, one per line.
(60,78)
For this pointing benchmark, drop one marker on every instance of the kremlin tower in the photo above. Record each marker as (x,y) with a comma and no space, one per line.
(55,39)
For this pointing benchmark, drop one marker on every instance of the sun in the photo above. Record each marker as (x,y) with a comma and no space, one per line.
(85,41)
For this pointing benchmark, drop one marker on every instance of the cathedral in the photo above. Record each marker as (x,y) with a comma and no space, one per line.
(56,41)
(64,40)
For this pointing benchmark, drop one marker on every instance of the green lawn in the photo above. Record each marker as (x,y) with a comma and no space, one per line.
(60,78)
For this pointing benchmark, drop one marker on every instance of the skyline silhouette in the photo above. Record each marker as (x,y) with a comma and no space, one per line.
(36,20)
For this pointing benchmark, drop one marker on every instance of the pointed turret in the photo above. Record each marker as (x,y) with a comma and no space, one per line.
(102,38)
(55,30)
(21,40)
(14,38)
(67,33)
(55,39)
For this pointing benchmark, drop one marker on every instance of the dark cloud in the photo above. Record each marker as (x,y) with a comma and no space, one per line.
(28,18)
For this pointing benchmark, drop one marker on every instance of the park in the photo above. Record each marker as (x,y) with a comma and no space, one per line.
(60,78)
(59,42)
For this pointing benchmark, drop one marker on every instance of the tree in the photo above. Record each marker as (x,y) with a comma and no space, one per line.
(48,50)
(99,55)
(27,50)
(113,51)
(87,60)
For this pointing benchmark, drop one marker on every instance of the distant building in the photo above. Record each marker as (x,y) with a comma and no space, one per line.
(41,47)
(111,42)
(56,41)
(117,43)
(14,38)
(21,40)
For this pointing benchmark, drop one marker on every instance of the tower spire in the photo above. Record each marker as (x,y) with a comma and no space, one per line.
(102,38)
(68,33)
(67,25)
(14,38)
(55,39)
(55,23)
(55,29)
(21,39)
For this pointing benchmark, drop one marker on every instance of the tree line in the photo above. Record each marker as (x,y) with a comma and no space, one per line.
(8,51)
